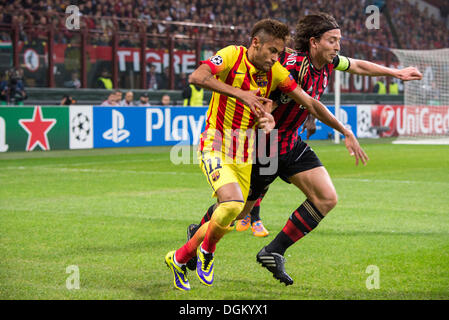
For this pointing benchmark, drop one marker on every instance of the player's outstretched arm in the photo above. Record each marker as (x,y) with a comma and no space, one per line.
(319,111)
(204,78)
(366,68)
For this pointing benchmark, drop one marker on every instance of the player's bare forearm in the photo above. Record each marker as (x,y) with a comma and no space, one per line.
(318,110)
(366,68)
(204,78)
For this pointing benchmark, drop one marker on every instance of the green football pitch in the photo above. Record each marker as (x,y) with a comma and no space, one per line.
(107,218)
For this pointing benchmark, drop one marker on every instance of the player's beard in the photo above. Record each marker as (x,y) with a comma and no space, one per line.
(265,66)
(261,63)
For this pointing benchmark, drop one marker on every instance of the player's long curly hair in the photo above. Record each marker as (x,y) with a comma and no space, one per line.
(312,25)
(270,27)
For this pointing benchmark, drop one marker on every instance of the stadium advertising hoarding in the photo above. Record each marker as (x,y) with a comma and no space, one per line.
(152,126)
(33,128)
(53,128)
(84,127)
(348,116)
(165,126)
(395,120)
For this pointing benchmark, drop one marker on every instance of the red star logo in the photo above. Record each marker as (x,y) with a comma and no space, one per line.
(37,129)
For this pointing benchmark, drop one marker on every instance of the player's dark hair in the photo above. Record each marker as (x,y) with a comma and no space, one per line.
(270,27)
(313,25)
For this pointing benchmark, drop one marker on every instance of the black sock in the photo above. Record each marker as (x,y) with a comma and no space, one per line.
(302,221)
(255,213)
(208,215)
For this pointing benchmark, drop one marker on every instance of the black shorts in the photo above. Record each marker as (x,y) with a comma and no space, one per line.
(300,158)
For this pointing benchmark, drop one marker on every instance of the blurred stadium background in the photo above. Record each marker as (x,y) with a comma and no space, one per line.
(175,35)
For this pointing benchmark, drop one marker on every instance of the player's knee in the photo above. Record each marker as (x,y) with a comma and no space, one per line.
(329,202)
(332,201)
(229,211)
(234,207)
(325,203)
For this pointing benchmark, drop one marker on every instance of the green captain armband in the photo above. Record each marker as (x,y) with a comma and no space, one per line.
(342,63)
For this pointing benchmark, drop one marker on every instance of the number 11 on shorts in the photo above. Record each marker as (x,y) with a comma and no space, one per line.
(210,168)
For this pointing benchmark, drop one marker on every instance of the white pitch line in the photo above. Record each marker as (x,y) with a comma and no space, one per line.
(59,169)
(84,163)
(122,171)
(22,167)
(390,181)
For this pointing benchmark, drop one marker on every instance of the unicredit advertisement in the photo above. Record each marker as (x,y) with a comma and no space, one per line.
(398,120)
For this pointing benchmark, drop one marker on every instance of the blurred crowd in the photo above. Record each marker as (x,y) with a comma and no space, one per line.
(208,19)
(118,98)
(416,30)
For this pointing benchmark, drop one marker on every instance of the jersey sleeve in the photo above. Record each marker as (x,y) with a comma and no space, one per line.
(341,63)
(223,60)
(285,81)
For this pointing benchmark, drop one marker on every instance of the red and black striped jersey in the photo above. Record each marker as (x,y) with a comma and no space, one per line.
(289,116)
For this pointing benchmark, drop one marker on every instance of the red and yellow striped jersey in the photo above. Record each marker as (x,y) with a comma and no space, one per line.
(230,123)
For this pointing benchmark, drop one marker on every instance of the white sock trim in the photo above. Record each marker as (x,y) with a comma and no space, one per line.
(176,262)
(203,251)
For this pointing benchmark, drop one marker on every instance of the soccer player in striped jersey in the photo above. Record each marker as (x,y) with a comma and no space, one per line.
(317,42)
(311,64)
(241,80)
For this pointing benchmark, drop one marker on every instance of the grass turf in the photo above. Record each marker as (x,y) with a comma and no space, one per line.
(115,213)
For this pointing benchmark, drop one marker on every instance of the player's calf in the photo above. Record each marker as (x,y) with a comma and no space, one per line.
(324,203)
(300,223)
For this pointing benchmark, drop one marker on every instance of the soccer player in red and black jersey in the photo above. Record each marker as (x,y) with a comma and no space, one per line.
(317,42)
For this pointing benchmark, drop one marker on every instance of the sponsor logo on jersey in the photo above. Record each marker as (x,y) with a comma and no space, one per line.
(261,80)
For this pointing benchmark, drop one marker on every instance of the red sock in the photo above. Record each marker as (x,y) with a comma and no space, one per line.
(214,233)
(184,254)
(188,251)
